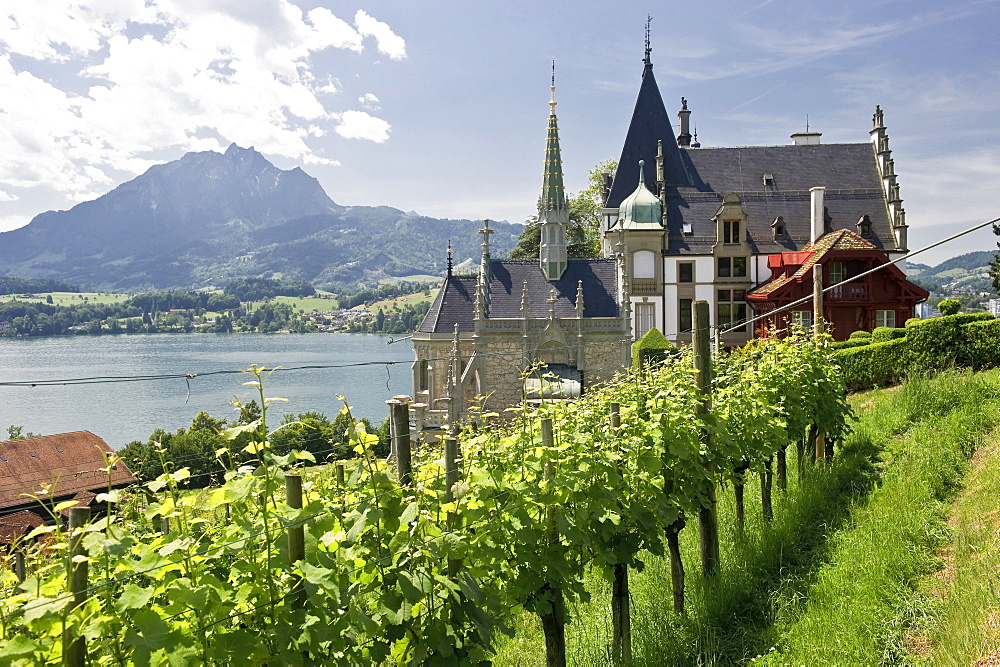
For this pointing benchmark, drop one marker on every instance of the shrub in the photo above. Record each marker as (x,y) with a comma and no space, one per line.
(883,334)
(982,343)
(846,344)
(873,365)
(653,348)
(949,306)
(939,342)
(860,335)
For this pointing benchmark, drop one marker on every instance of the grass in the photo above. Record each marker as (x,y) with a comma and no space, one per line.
(965,625)
(831,579)
(308,304)
(73,298)
(412,299)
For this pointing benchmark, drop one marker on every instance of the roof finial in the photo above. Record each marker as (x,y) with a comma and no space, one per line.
(449,258)
(646,60)
(552,102)
(807,122)
(642,172)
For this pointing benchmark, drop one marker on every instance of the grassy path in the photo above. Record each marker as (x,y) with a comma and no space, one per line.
(965,624)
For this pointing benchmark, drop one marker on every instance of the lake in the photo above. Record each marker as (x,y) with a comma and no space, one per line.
(121,412)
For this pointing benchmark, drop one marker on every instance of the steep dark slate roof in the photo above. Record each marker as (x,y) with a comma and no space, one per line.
(455,301)
(650,123)
(698,178)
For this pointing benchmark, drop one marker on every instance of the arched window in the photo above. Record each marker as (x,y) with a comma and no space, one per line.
(643,264)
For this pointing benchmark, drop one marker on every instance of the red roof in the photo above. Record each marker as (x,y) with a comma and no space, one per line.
(843,239)
(13,526)
(71,463)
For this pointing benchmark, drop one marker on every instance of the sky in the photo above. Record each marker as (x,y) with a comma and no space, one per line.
(440,106)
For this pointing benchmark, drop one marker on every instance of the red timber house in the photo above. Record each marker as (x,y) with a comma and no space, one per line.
(883,299)
(37,474)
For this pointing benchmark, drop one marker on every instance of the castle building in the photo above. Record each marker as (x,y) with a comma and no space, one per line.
(557,315)
(710,224)
(740,228)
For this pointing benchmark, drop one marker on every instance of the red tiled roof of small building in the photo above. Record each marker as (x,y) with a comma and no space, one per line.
(843,239)
(13,526)
(68,463)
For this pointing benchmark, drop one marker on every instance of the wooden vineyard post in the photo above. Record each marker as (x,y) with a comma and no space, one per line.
(74,645)
(399,429)
(19,566)
(452,456)
(340,476)
(820,446)
(673,532)
(621,619)
(767,510)
(817,301)
(782,457)
(708,518)
(296,538)
(553,621)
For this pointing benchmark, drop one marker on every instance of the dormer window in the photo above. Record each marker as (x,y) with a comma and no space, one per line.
(778,229)
(687,229)
(865,226)
(768,180)
(730,231)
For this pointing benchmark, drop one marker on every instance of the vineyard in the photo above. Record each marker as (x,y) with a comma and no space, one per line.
(434,557)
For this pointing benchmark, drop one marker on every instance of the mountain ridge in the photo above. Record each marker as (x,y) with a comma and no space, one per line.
(208,217)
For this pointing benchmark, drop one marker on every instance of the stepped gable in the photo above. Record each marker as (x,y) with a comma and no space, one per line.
(72,463)
(848,171)
(455,302)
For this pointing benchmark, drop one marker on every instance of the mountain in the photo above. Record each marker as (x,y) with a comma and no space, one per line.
(208,217)
(967,274)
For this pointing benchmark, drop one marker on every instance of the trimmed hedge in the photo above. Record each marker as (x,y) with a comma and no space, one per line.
(651,349)
(939,342)
(875,364)
(860,335)
(845,344)
(983,343)
(883,334)
(964,339)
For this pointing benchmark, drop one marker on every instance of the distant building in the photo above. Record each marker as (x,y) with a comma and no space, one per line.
(39,473)
(994,307)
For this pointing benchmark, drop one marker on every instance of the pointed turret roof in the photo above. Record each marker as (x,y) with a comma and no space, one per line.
(553,193)
(650,124)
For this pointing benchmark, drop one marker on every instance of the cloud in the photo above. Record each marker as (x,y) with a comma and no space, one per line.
(388,42)
(6,196)
(93,93)
(369,101)
(360,125)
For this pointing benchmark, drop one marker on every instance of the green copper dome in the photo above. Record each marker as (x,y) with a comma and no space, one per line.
(641,209)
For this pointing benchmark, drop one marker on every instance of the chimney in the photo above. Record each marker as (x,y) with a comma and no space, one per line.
(818,226)
(806,138)
(684,135)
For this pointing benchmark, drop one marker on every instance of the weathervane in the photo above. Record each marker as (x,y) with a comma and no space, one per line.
(649,19)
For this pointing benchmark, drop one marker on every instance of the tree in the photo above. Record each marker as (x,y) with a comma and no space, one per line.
(584,233)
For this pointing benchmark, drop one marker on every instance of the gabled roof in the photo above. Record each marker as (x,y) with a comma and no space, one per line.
(842,240)
(697,179)
(72,463)
(455,301)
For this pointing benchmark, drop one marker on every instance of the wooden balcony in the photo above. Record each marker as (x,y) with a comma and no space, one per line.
(851,292)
